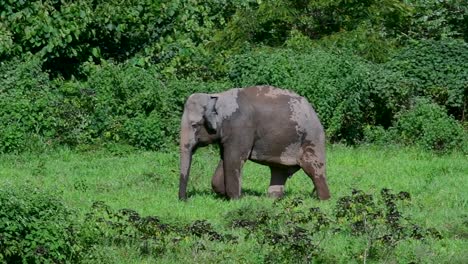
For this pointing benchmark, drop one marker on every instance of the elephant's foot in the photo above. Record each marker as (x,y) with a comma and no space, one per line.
(276,191)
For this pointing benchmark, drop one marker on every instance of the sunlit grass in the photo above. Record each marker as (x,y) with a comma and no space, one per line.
(148,183)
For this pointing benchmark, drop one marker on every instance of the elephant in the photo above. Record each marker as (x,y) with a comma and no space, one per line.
(264,124)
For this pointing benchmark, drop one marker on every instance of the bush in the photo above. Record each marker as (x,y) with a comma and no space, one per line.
(74,111)
(36,227)
(390,92)
(152,236)
(428,125)
(364,41)
(434,19)
(379,135)
(36,109)
(292,232)
(118,103)
(51,29)
(438,70)
(27,104)
(146,131)
(269,22)
(137,106)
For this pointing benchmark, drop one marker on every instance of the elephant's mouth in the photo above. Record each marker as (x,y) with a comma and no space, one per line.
(205,143)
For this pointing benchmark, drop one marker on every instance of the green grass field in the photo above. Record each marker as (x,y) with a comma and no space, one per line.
(147,182)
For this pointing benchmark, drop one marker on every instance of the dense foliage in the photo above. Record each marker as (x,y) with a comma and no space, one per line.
(88,72)
(27,103)
(36,227)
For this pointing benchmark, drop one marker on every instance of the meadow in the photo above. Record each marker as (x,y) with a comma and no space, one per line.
(428,192)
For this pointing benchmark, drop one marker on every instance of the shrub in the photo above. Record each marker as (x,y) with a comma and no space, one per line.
(389,92)
(74,111)
(379,135)
(365,41)
(433,19)
(122,92)
(36,109)
(12,138)
(379,221)
(428,125)
(292,232)
(438,70)
(27,104)
(269,22)
(249,217)
(118,103)
(36,227)
(152,235)
(146,131)
(51,29)
(137,106)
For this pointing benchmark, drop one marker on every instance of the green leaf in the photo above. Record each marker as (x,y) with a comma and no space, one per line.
(96,53)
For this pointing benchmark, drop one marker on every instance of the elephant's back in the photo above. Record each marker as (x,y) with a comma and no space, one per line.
(283,107)
(284,122)
(272,105)
(268,92)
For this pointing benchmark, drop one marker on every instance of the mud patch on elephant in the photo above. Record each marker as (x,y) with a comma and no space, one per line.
(273,92)
(309,155)
(298,111)
(261,89)
(290,154)
(311,160)
(302,115)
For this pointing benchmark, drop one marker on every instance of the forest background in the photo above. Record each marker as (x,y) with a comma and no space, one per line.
(90,72)
(91,95)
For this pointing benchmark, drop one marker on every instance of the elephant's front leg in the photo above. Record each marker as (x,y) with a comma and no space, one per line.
(217,182)
(234,159)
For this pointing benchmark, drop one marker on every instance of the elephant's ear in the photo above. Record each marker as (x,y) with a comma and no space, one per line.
(211,115)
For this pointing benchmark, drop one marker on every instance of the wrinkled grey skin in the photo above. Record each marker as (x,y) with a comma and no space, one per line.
(264,124)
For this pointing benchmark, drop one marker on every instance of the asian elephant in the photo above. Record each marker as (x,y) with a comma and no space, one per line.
(264,124)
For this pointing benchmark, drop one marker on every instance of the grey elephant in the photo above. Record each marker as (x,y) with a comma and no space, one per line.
(264,124)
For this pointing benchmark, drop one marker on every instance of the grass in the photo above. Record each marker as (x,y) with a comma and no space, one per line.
(147,182)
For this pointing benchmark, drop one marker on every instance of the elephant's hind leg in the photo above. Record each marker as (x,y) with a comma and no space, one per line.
(312,162)
(279,176)
(217,182)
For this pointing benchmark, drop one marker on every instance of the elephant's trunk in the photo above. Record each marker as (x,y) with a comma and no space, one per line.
(185,162)
(187,143)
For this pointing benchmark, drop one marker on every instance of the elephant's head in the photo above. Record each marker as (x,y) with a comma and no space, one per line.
(199,126)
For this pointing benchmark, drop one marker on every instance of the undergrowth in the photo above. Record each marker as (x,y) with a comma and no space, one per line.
(38,227)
